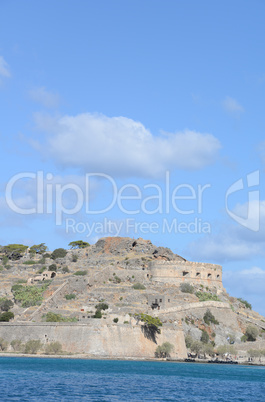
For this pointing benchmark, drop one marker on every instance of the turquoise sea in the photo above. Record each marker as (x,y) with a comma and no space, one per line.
(45,379)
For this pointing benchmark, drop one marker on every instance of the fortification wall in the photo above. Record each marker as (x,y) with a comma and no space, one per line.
(177,272)
(96,338)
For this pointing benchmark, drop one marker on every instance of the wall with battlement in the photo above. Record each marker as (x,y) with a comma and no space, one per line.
(177,272)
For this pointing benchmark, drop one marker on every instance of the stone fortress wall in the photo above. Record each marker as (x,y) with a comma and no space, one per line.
(177,272)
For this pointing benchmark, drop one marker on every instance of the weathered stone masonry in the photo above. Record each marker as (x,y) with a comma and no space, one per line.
(177,272)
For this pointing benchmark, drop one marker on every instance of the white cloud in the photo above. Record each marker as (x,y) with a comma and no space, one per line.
(122,146)
(46,98)
(232,106)
(4,68)
(233,242)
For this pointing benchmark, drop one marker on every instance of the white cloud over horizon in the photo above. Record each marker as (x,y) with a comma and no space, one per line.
(121,146)
(232,106)
(44,97)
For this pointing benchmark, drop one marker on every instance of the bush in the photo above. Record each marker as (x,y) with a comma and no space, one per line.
(244,338)
(5,304)
(98,314)
(197,347)
(29,262)
(204,337)
(251,333)
(54,348)
(117,279)
(138,286)
(188,341)
(33,346)
(102,306)
(53,317)
(80,273)
(17,345)
(41,270)
(58,253)
(186,288)
(7,316)
(53,267)
(29,295)
(247,304)
(65,270)
(115,320)
(3,344)
(126,322)
(70,296)
(223,349)
(204,296)
(164,350)
(210,318)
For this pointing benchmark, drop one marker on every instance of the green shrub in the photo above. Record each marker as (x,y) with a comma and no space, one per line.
(29,295)
(74,257)
(7,316)
(247,304)
(41,270)
(204,296)
(98,314)
(54,348)
(3,344)
(1,268)
(188,341)
(138,286)
(5,304)
(102,306)
(164,350)
(80,273)
(42,260)
(204,337)
(58,253)
(126,322)
(29,262)
(117,279)
(210,318)
(115,320)
(65,270)
(70,296)
(32,346)
(53,267)
(46,255)
(53,317)
(17,345)
(5,259)
(251,333)
(186,288)
(244,338)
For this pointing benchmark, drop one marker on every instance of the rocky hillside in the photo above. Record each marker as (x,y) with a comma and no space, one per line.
(111,281)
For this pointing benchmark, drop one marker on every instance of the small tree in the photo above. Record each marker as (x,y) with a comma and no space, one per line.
(164,350)
(197,347)
(188,341)
(6,304)
(33,346)
(53,267)
(58,253)
(78,244)
(251,333)
(204,337)
(7,316)
(3,344)
(38,248)
(17,345)
(54,348)
(186,288)
(210,318)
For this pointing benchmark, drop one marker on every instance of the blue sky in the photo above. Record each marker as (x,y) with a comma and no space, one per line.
(152,101)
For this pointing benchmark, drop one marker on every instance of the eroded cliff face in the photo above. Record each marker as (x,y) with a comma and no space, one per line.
(97,338)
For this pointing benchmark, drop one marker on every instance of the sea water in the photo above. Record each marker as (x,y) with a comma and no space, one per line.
(46,379)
